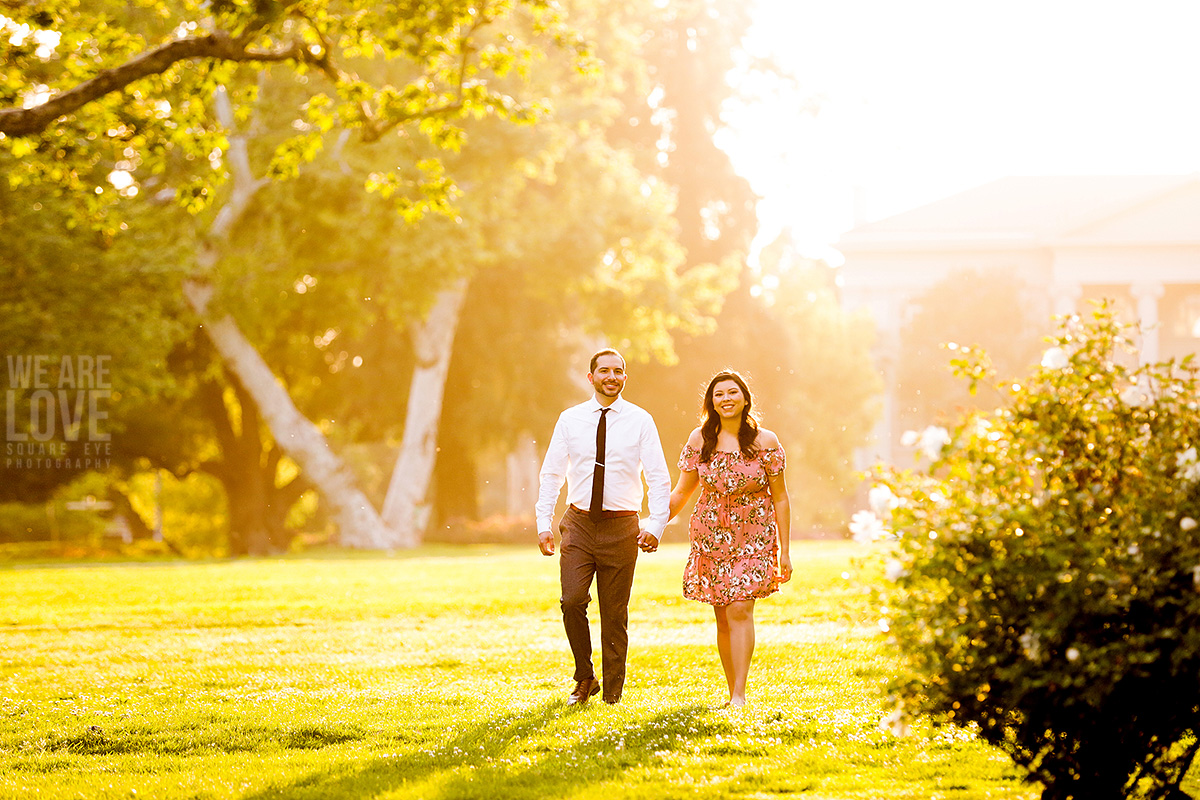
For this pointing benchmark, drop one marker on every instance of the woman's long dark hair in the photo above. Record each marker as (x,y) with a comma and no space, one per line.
(711,421)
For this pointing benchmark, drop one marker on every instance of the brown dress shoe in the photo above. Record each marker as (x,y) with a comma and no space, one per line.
(583,690)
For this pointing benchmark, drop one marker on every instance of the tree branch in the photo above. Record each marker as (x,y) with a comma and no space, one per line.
(218,45)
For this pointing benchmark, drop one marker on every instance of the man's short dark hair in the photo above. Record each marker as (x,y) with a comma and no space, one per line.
(608,351)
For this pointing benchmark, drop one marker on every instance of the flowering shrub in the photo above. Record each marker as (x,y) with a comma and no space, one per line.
(1042,572)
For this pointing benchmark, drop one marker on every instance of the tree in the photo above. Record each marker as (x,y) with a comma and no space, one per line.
(57,290)
(819,382)
(554,207)
(966,310)
(443,82)
(1044,569)
(153,59)
(672,114)
(168,404)
(109,95)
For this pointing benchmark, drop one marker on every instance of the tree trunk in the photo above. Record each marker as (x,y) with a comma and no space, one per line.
(406,508)
(248,534)
(455,480)
(357,519)
(359,523)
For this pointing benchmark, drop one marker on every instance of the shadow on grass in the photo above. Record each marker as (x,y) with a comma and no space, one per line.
(143,740)
(500,757)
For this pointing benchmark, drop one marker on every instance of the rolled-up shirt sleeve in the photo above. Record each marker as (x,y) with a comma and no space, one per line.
(551,477)
(658,479)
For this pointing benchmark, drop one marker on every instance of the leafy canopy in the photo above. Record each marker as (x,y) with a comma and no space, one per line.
(100,100)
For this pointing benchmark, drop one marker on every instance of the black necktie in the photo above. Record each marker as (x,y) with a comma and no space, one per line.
(597,505)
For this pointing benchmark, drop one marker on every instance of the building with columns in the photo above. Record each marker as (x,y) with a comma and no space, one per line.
(1133,239)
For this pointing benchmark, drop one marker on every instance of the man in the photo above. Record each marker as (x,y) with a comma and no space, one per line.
(601,448)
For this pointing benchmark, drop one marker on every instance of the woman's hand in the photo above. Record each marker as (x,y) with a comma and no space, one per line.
(785,567)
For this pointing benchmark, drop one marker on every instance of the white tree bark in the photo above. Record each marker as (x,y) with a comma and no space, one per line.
(406,508)
(359,523)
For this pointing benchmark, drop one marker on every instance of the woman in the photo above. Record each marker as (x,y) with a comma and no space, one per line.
(739,528)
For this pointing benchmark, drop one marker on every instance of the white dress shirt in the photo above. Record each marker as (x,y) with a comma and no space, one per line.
(631,448)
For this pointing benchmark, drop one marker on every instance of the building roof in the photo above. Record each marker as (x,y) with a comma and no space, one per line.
(1017,211)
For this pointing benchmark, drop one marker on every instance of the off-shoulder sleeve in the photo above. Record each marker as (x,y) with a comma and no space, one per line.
(689,459)
(773,460)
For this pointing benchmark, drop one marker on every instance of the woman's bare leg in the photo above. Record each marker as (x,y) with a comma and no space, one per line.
(739,618)
(723,644)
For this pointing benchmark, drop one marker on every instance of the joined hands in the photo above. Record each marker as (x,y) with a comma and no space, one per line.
(647,541)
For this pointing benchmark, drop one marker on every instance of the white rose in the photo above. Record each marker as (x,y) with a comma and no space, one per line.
(881,500)
(933,440)
(866,527)
(1055,358)
(1135,397)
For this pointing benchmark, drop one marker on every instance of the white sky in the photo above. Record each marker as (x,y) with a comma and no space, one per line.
(918,99)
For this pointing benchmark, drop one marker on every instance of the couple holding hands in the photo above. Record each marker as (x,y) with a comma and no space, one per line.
(738,531)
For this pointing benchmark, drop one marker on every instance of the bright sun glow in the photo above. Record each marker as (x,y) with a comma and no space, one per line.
(917,100)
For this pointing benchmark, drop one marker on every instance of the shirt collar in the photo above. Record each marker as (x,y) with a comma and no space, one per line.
(617,405)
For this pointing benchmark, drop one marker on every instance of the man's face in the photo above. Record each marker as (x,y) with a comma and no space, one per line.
(609,376)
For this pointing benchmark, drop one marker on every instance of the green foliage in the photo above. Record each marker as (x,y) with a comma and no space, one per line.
(70,295)
(24,522)
(563,238)
(195,513)
(1046,569)
(145,122)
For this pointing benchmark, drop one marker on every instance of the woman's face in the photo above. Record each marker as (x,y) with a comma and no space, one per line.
(728,399)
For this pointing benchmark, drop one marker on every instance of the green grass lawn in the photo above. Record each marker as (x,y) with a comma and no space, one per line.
(442,674)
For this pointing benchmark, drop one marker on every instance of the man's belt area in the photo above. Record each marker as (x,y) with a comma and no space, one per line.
(605,514)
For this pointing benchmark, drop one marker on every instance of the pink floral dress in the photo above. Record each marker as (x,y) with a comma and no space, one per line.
(735,543)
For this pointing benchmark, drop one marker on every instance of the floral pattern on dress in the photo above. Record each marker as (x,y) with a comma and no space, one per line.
(734,539)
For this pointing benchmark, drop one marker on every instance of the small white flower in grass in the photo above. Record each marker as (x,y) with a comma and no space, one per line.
(1187,524)
(894,570)
(866,527)
(909,438)
(896,722)
(881,500)
(933,440)
(1072,654)
(1055,358)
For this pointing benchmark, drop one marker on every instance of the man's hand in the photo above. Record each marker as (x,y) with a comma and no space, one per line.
(647,541)
(546,542)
